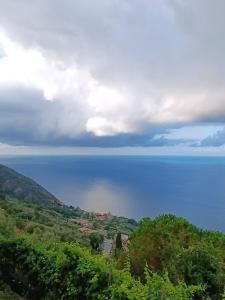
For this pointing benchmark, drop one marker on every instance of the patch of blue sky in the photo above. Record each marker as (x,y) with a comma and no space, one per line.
(194,132)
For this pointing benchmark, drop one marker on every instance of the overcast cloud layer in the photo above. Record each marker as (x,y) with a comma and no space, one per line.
(110,72)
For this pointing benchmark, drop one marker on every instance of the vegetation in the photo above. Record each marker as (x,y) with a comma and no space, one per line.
(43,224)
(119,245)
(28,201)
(170,245)
(96,240)
(71,272)
(23,188)
(46,254)
(38,263)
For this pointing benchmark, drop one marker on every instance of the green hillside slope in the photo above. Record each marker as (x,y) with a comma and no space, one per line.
(27,198)
(23,188)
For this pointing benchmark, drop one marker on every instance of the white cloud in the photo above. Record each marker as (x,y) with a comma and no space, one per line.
(79,93)
(103,127)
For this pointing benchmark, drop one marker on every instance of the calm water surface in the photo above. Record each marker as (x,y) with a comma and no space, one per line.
(192,187)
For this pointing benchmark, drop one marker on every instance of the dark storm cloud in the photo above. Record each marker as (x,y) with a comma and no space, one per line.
(158,64)
(26,119)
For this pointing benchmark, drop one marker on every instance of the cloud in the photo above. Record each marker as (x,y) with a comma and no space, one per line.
(105,71)
(27,119)
(82,99)
(214,140)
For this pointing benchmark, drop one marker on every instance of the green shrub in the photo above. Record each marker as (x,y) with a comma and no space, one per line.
(171,244)
(72,272)
(96,240)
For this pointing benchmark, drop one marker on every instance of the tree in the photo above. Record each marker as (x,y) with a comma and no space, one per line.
(96,239)
(119,244)
(2,195)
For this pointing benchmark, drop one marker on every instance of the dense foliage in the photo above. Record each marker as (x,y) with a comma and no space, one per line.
(96,240)
(71,272)
(171,245)
(119,245)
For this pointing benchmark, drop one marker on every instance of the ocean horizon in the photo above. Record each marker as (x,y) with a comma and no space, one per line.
(192,187)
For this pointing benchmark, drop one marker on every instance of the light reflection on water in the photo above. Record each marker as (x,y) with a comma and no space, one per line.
(104,196)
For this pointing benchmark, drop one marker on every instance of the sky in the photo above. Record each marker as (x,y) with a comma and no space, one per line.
(112,77)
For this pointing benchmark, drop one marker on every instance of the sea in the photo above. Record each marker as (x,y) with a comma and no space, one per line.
(134,186)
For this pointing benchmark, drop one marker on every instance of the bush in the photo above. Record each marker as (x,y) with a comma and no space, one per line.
(188,254)
(96,240)
(71,272)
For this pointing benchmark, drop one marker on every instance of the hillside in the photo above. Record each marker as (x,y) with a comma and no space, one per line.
(43,255)
(21,191)
(23,188)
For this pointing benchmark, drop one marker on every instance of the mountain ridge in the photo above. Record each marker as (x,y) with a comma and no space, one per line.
(24,188)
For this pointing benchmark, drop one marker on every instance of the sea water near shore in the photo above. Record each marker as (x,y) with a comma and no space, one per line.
(134,186)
